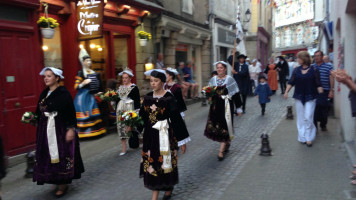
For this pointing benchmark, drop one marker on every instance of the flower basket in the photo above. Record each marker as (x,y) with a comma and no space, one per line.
(47,33)
(143,42)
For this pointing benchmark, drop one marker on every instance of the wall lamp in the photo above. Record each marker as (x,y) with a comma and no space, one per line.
(148,65)
(247,16)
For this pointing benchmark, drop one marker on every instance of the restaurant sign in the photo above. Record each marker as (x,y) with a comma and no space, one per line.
(90,19)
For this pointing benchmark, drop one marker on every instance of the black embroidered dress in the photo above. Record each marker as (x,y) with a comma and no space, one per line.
(154,110)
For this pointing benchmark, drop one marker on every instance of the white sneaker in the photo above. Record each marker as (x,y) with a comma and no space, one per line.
(122,153)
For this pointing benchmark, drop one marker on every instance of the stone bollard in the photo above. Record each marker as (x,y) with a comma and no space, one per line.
(265,148)
(30,160)
(289,112)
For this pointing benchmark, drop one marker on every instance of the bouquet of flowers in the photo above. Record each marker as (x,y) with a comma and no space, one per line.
(29,118)
(144,35)
(130,118)
(208,91)
(110,95)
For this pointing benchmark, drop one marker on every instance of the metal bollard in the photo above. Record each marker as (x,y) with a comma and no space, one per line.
(265,148)
(289,112)
(203,101)
(30,160)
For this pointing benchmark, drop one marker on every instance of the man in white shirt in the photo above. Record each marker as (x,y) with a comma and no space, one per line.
(254,70)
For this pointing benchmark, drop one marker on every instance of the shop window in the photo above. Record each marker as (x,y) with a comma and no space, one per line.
(96,48)
(13,13)
(52,50)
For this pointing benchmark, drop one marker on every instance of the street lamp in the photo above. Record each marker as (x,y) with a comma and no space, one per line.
(247,19)
(247,16)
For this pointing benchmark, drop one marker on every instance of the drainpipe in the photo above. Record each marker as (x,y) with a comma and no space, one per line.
(211,26)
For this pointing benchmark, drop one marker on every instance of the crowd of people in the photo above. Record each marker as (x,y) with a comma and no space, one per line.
(61,119)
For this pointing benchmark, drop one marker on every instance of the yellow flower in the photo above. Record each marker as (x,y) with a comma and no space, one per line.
(134,115)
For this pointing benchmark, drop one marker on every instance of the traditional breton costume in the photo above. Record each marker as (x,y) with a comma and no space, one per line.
(57,161)
(87,111)
(164,132)
(176,90)
(129,100)
(220,120)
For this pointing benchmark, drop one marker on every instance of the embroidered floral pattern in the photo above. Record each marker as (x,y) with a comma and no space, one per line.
(70,163)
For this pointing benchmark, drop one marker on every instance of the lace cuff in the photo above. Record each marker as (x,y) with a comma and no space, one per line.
(185,141)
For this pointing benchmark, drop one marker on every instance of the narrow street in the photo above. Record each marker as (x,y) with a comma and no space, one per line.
(202,176)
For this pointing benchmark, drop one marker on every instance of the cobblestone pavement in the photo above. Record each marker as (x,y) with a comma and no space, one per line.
(202,176)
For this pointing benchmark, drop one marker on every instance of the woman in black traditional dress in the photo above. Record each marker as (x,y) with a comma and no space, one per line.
(129,100)
(175,89)
(164,129)
(58,158)
(219,126)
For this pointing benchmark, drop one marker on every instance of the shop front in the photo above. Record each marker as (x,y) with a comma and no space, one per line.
(107,33)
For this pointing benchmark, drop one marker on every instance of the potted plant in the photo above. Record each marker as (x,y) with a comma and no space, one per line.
(47,25)
(144,37)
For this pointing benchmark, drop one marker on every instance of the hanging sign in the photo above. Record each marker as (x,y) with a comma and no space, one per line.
(90,19)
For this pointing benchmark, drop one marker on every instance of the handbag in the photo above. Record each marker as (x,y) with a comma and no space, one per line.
(134,141)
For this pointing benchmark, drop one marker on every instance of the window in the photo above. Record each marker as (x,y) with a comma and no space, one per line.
(187,6)
(52,50)
(13,13)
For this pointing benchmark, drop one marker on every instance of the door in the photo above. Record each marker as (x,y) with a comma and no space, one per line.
(19,78)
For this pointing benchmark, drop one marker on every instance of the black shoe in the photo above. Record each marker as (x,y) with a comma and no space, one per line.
(324,129)
(309,145)
(303,143)
(166,197)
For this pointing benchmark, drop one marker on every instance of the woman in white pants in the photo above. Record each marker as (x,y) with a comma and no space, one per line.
(306,80)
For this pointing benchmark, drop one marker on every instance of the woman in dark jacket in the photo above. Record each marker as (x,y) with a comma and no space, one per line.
(283,71)
(58,158)
(242,77)
(306,80)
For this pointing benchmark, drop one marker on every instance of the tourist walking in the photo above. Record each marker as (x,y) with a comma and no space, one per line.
(306,80)
(164,131)
(58,159)
(323,100)
(255,71)
(129,100)
(219,126)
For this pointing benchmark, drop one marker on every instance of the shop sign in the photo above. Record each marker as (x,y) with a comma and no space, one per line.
(226,36)
(90,19)
(182,47)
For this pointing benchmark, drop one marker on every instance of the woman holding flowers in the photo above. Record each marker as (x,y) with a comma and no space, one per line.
(58,158)
(164,132)
(222,91)
(129,100)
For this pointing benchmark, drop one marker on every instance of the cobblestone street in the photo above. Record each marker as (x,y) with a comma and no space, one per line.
(202,176)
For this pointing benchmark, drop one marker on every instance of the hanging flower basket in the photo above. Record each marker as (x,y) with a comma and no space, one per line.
(143,42)
(47,33)
(47,24)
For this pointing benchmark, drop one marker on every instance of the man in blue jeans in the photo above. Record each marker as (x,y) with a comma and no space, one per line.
(327,82)
(187,71)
